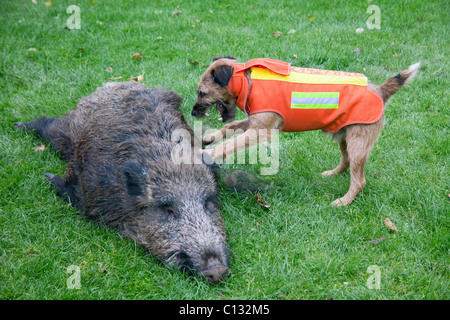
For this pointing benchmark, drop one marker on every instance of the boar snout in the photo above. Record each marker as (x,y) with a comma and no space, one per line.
(215,273)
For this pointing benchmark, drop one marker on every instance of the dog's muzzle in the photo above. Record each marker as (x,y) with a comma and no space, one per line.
(199,110)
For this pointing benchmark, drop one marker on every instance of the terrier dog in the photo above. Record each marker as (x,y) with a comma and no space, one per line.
(275,95)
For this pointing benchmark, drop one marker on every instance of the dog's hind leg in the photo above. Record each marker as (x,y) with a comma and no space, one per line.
(360,140)
(343,165)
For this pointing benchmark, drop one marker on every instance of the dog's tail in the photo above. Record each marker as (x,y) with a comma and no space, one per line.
(395,83)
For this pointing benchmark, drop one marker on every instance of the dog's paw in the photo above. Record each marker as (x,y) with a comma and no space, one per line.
(340,202)
(208,139)
(328,173)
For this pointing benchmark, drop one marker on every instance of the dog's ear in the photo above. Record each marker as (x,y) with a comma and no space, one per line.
(222,74)
(227,57)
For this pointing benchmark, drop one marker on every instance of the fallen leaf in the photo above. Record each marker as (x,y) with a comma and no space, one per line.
(139,78)
(310,17)
(357,51)
(261,202)
(41,148)
(390,225)
(359,30)
(100,268)
(277,33)
(159,38)
(34,1)
(377,240)
(193,62)
(115,78)
(137,56)
(176,12)
(32,49)
(197,20)
(292,31)
(48,3)
(109,69)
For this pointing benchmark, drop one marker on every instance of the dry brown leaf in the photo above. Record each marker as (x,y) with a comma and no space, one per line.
(137,56)
(139,78)
(261,202)
(390,225)
(41,148)
(357,51)
(48,3)
(377,240)
(277,33)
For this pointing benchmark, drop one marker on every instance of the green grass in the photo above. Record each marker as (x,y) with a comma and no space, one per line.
(299,248)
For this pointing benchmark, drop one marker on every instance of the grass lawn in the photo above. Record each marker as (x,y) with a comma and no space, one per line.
(299,248)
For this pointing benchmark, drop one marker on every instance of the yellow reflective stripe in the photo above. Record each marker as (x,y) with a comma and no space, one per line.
(315,100)
(311,76)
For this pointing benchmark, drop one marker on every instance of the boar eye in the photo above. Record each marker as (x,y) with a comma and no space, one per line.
(168,209)
(211,205)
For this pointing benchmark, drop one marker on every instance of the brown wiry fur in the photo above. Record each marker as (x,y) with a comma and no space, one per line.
(355,141)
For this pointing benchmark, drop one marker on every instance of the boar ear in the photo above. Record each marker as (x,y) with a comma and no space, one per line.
(222,74)
(134,175)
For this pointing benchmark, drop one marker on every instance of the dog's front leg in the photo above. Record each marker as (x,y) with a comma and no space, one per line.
(246,140)
(227,131)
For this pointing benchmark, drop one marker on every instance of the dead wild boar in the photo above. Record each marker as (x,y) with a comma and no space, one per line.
(118,143)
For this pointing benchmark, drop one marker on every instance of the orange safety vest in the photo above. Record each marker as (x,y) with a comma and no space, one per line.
(307,99)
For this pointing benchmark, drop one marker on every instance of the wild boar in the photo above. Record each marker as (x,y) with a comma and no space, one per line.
(118,144)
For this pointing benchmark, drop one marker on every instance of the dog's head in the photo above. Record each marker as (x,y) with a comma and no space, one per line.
(213,89)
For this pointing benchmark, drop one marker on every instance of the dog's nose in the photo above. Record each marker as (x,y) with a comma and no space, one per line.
(194,113)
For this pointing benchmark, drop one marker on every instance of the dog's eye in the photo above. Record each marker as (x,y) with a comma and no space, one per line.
(201,94)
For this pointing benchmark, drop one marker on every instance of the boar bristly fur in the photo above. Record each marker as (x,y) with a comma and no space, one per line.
(118,143)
